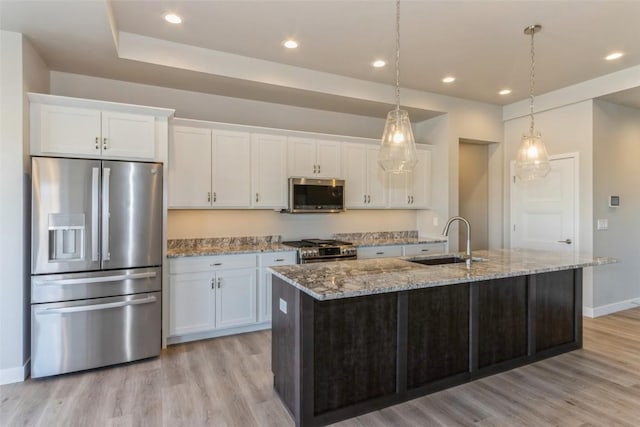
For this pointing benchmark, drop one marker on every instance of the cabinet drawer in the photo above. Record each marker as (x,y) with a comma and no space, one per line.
(211,263)
(379,252)
(277,258)
(424,249)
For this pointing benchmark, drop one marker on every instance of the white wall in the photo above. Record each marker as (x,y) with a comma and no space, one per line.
(616,152)
(21,70)
(564,130)
(203,106)
(184,224)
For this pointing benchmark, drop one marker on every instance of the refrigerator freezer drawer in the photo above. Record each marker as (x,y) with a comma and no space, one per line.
(75,286)
(77,335)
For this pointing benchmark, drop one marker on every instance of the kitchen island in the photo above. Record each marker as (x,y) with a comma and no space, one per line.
(351,337)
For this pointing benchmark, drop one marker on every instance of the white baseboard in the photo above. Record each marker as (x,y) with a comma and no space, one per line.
(15,375)
(215,333)
(603,310)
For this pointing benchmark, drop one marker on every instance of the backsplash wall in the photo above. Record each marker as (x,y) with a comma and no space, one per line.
(184,224)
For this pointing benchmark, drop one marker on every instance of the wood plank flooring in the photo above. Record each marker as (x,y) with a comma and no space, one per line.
(227,382)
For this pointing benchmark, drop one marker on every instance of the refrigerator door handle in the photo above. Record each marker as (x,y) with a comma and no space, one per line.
(102,279)
(93,307)
(106,175)
(95,177)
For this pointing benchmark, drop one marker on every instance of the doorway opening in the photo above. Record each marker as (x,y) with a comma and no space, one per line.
(473,191)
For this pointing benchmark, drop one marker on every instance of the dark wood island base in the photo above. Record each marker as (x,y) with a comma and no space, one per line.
(335,359)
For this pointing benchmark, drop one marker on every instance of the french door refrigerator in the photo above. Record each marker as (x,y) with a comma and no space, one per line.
(96,263)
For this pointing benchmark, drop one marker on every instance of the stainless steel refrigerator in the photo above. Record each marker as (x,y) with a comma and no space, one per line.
(96,263)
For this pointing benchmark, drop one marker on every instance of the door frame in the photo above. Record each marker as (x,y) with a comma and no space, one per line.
(576,196)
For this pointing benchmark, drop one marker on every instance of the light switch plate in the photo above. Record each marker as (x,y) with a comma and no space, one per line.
(283,306)
(603,224)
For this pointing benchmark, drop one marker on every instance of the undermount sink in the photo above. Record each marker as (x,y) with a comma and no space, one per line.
(443,259)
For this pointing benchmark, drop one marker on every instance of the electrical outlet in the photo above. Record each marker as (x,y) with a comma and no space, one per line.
(283,306)
(435,221)
(603,224)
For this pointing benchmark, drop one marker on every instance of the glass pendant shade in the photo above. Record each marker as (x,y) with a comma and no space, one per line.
(398,148)
(532,160)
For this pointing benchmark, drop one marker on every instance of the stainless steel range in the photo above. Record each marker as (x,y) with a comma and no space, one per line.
(319,250)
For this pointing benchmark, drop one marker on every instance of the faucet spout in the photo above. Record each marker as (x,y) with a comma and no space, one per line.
(446,233)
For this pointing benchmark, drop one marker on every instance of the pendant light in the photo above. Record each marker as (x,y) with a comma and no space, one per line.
(532,160)
(398,148)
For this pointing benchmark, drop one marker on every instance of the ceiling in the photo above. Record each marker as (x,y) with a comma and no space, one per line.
(481,43)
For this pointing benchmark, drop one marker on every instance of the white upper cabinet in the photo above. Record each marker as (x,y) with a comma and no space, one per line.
(128,136)
(268,171)
(231,169)
(313,158)
(209,168)
(71,127)
(365,180)
(412,190)
(190,168)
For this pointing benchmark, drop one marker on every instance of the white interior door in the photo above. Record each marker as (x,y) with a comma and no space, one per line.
(544,211)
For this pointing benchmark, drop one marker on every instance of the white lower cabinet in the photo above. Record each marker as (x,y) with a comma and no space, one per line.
(213,296)
(388,251)
(211,293)
(424,249)
(264,289)
(379,251)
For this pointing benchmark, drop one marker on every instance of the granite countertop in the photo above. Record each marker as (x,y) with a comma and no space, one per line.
(335,280)
(224,246)
(387,238)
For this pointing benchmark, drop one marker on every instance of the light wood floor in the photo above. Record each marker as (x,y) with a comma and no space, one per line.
(227,382)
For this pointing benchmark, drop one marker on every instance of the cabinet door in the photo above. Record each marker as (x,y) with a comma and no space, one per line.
(398,193)
(354,158)
(128,136)
(420,181)
(302,157)
(269,171)
(68,130)
(376,180)
(191,303)
(190,168)
(328,159)
(236,297)
(231,169)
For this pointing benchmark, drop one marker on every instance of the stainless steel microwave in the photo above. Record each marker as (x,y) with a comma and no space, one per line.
(311,195)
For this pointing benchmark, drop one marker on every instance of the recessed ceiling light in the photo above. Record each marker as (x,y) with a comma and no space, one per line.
(172,18)
(449,79)
(614,55)
(505,92)
(290,44)
(378,63)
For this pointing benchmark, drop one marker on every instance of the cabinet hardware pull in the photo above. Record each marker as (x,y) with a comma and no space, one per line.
(219,282)
(212,283)
(257,197)
(365,199)
(215,197)
(217,264)
(279,260)
(209,196)
(424,250)
(567,241)
(104,144)
(379,253)
(369,199)
(318,168)
(315,168)
(408,199)
(97,142)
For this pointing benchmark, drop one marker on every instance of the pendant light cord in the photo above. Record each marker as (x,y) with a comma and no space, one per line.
(398,55)
(532,81)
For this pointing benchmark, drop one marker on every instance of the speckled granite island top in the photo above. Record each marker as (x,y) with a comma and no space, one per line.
(334,280)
